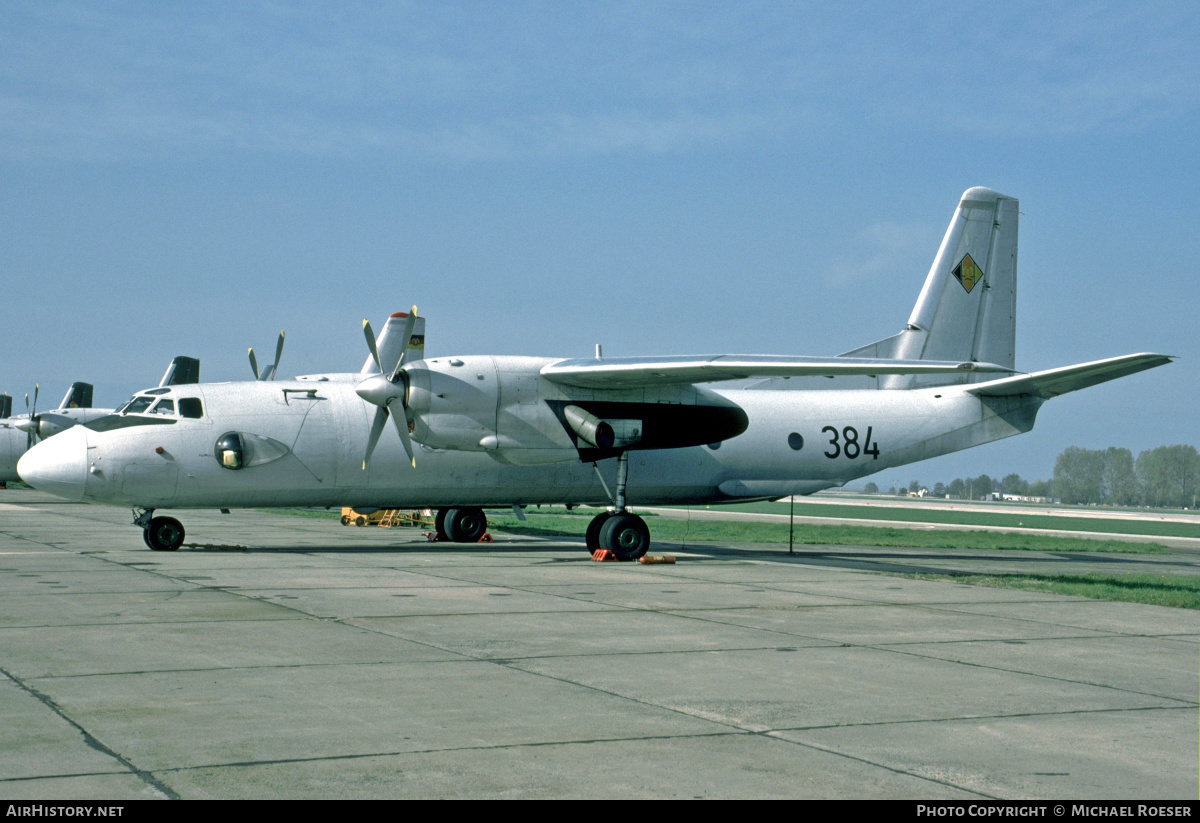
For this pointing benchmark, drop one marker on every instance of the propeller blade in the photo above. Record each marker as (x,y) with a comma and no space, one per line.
(278,354)
(381,416)
(369,333)
(402,429)
(254,363)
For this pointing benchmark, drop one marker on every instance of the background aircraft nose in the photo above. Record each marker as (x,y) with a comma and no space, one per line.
(57,465)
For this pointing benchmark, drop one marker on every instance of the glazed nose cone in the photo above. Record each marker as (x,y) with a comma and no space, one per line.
(57,465)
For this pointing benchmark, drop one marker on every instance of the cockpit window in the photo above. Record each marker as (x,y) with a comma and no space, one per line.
(164,406)
(137,405)
(191,407)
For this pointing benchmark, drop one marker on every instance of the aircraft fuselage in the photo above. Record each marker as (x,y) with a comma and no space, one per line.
(301,443)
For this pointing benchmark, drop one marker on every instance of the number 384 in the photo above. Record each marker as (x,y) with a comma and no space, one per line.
(846,442)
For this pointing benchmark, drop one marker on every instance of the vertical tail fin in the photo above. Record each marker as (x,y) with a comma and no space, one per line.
(183,370)
(79,396)
(392,347)
(967,307)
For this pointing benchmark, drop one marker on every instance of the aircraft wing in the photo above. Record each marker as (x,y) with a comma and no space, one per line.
(1053,382)
(634,372)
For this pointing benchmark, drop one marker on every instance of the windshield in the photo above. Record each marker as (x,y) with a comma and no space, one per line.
(136,405)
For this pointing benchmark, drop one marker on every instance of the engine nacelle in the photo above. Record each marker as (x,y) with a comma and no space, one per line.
(503,406)
(603,434)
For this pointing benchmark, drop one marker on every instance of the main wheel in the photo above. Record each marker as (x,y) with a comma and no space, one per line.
(626,536)
(164,534)
(439,524)
(592,539)
(465,525)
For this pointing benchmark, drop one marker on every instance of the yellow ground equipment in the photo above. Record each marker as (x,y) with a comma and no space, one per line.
(386,518)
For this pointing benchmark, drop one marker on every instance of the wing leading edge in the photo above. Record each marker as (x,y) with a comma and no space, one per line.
(636,372)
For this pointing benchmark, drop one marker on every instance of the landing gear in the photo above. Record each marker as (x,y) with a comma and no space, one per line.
(162,534)
(461,525)
(625,535)
(593,530)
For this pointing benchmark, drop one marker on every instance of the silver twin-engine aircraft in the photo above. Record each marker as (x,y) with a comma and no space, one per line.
(482,431)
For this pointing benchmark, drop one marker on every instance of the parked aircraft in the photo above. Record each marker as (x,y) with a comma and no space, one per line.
(478,431)
(18,434)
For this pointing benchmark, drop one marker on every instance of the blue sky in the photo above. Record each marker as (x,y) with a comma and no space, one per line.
(661,178)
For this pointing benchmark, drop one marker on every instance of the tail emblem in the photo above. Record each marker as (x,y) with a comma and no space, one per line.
(968,273)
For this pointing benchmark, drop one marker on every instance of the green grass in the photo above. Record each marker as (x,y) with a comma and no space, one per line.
(1155,590)
(671,530)
(881,510)
(559,522)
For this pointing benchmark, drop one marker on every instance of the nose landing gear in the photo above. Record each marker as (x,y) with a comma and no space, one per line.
(162,534)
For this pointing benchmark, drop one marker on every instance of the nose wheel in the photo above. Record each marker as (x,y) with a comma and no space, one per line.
(162,534)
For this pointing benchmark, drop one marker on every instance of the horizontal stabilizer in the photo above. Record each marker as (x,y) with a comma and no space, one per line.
(634,372)
(1053,382)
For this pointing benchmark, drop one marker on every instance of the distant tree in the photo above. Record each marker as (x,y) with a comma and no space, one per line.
(1118,478)
(939,490)
(957,488)
(1169,475)
(1013,484)
(914,487)
(978,487)
(871,488)
(1041,488)
(1079,476)
(892,491)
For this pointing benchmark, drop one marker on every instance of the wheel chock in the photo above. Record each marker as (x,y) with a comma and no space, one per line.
(487,538)
(656,558)
(603,556)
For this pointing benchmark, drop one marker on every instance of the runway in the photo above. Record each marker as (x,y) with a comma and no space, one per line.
(286,657)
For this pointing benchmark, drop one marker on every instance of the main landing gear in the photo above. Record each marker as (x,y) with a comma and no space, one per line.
(462,524)
(625,535)
(162,534)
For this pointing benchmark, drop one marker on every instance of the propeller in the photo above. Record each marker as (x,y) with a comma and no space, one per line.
(269,372)
(30,424)
(387,392)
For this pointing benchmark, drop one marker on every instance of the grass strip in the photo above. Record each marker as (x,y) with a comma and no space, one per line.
(1177,591)
(964,517)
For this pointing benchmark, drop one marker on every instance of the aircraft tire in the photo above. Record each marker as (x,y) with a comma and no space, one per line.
(439,524)
(465,525)
(165,534)
(625,535)
(592,538)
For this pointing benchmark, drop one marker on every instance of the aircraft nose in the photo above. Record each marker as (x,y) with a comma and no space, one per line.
(57,465)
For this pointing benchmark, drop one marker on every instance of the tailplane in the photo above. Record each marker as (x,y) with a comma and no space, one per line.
(967,307)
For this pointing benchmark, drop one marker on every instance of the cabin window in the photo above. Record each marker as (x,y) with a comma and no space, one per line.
(191,407)
(164,406)
(230,451)
(795,441)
